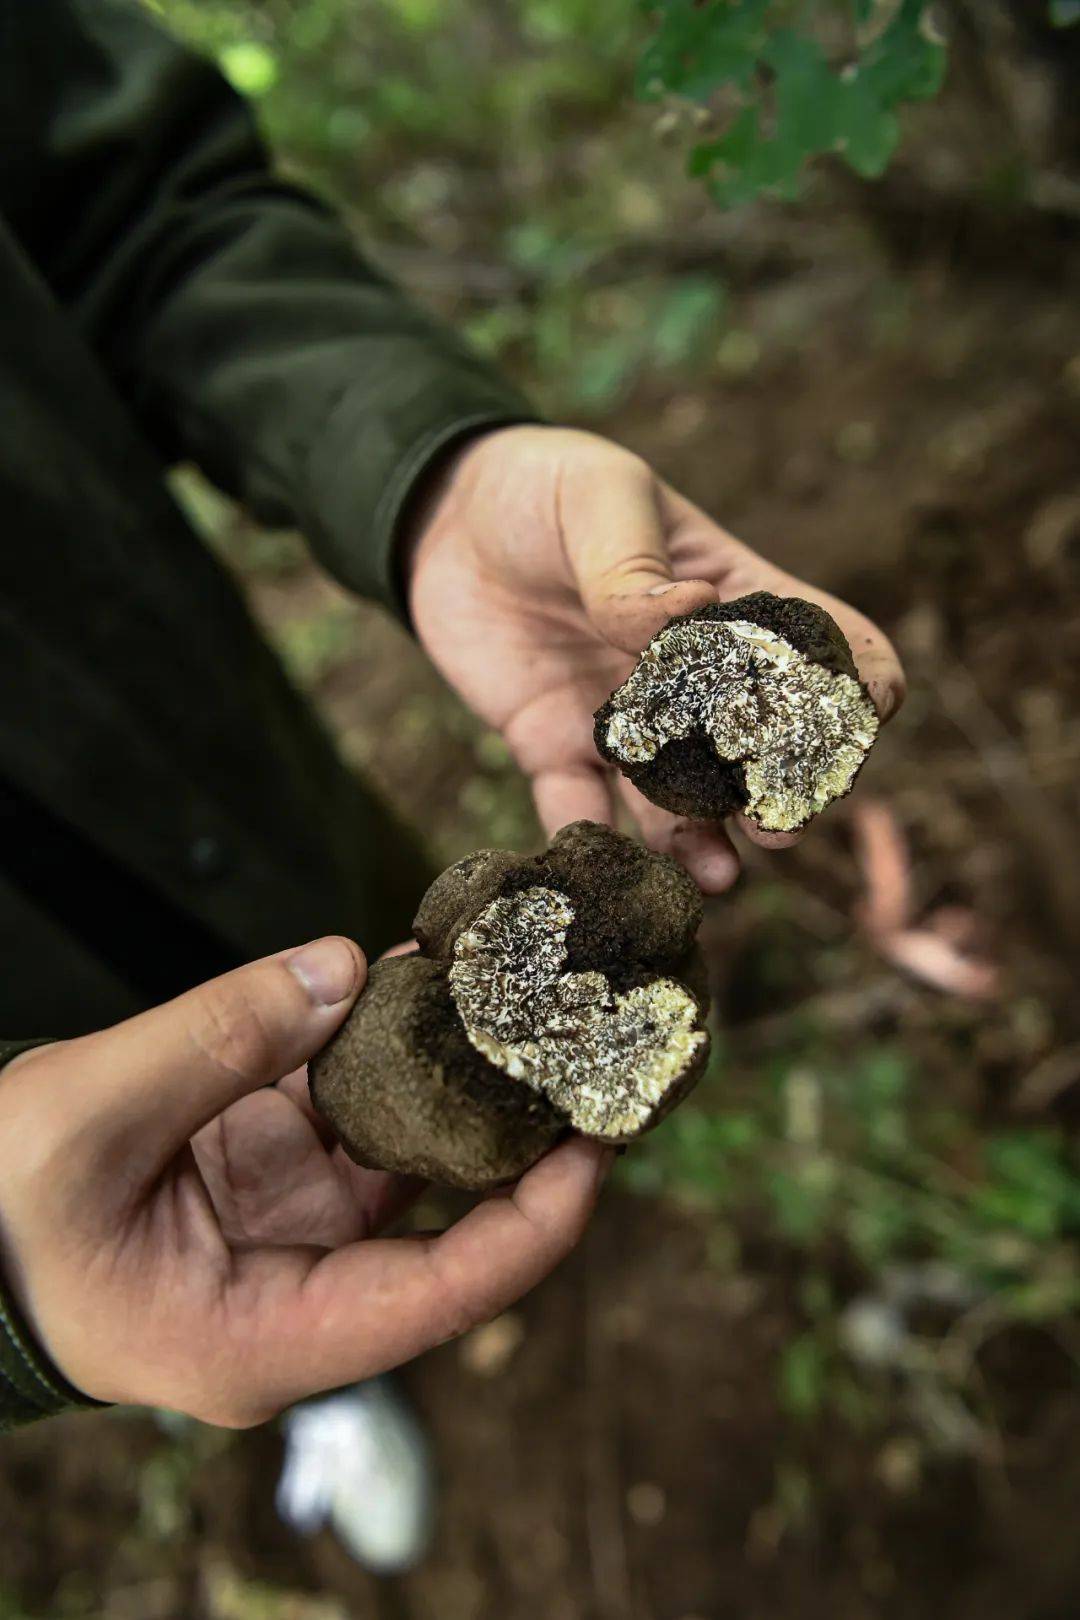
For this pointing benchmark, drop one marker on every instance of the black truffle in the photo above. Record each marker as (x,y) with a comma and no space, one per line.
(554,992)
(753,705)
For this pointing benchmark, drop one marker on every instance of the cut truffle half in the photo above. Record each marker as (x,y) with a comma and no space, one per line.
(753,705)
(606,1058)
(552,993)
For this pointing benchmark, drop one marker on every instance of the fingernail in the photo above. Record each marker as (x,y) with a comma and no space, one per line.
(327,970)
(661,590)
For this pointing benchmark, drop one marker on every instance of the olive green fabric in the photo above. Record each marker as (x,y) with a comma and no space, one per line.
(165,297)
(231,310)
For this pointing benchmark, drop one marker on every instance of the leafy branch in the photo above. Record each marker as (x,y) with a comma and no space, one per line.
(791,83)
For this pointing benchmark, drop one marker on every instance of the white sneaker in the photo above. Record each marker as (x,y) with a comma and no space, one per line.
(358,1460)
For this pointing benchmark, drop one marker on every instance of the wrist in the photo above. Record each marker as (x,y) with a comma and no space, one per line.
(32,1384)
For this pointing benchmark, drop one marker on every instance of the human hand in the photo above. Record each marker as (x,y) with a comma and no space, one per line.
(180,1231)
(540,562)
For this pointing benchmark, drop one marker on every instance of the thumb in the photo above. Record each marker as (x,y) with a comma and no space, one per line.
(155,1080)
(617,550)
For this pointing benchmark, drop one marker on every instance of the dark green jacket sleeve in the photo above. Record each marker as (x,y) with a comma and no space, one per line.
(232,309)
(30,1386)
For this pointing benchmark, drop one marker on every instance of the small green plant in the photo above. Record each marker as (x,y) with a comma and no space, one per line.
(843,1151)
(842,1158)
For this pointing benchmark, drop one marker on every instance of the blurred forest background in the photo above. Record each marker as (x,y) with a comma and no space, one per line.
(818,1355)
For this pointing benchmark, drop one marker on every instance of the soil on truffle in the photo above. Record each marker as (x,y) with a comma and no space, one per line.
(401,1083)
(687,776)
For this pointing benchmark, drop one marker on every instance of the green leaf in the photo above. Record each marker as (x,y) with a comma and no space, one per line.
(1063,13)
(802,1201)
(748,163)
(1031,1187)
(877,1091)
(700,47)
(807,94)
(687,312)
(905,63)
(791,105)
(869,132)
(605,370)
(419,16)
(803,1376)
(249,67)
(879,1228)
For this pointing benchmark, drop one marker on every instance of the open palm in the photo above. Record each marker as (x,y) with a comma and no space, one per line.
(542,564)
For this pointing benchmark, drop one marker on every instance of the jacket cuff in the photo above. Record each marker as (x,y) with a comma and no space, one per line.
(30,1386)
(373,453)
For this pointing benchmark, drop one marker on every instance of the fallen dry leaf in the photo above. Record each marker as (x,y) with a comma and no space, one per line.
(939,951)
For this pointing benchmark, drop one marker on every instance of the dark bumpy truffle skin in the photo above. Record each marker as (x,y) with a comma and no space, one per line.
(632,905)
(664,727)
(554,992)
(405,1091)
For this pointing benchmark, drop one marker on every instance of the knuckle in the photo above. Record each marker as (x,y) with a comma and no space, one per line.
(631,470)
(596,455)
(458,1317)
(460,1308)
(231,1031)
(631,564)
(37,1110)
(634,467)
(465,1314)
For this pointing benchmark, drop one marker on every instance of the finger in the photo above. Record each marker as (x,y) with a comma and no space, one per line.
(875,657)
(702,847)
(152,1082)
(380,1196)
(269,1177)
(766,840)
(406,948)
(656,826)
(295,1087)
(551,737)
(373,1305)
(706,851)
(577,793)
(617,550)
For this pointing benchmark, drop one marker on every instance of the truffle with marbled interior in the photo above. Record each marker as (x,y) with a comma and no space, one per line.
(557,992)
(753,705)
